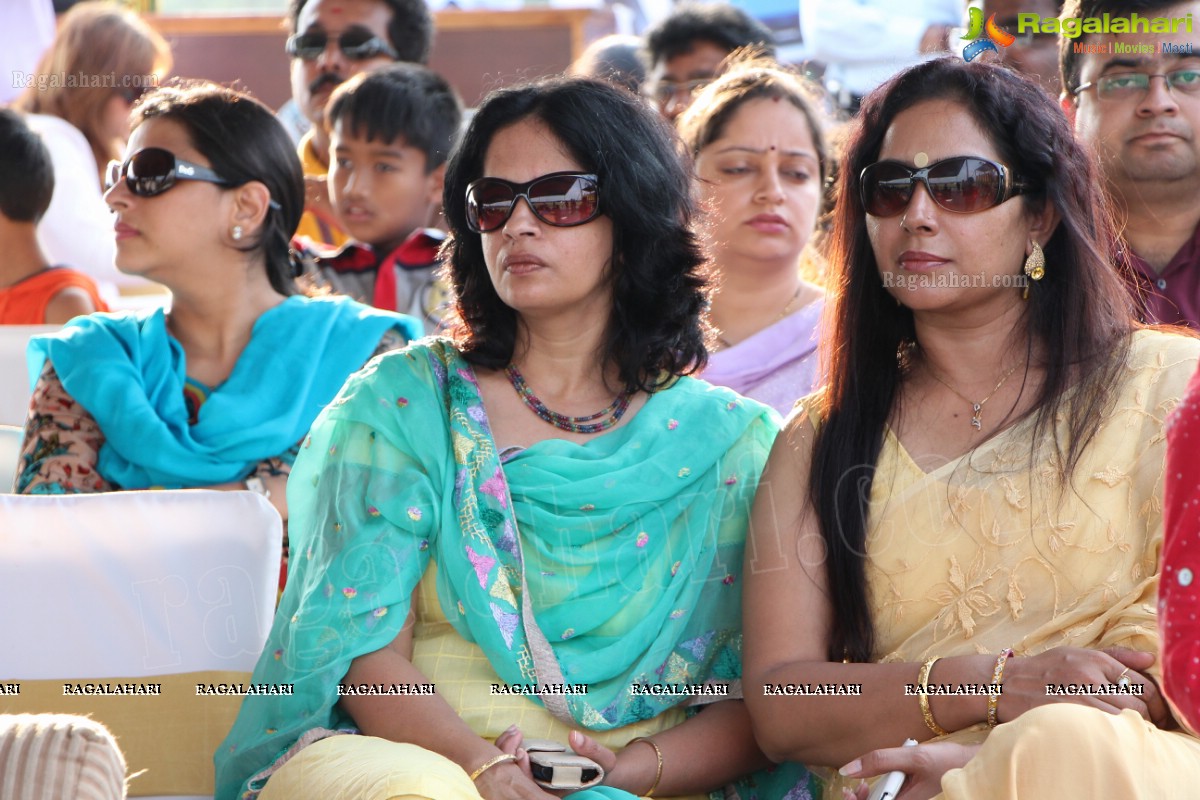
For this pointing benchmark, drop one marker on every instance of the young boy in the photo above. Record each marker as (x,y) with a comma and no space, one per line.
(391,131)
(31,291)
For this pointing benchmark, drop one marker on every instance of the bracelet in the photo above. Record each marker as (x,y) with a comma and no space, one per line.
(926,712)
(491,762)
(657,752)
(993,705)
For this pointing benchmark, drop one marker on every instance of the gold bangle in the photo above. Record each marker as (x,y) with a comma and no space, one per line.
(993,706)
(491,762)
(922,686)
(657,752)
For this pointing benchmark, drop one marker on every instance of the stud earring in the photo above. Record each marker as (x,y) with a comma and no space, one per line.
(236,233)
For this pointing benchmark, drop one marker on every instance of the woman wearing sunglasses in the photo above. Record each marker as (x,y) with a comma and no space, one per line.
(760,167)
(547,495)
(103,58)
(973,533)
(218,392)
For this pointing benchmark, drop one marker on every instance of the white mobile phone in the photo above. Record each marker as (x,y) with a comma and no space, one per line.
(889,785)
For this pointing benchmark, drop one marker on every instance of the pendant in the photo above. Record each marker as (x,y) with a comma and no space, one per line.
(975,422)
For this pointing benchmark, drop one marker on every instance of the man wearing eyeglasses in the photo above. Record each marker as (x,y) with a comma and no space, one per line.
(331,41)
(685,51)
(1135,98)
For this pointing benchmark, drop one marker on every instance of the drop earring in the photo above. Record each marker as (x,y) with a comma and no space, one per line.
(1035,266)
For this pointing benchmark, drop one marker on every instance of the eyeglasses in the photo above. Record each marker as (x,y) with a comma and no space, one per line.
(663,91)
(963,184)
(152,170)
(132,94)
(1135,85)
(356,44)
(561,199)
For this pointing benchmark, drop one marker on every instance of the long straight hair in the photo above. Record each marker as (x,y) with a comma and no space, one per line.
(1080,310)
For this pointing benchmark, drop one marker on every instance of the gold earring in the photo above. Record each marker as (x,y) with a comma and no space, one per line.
(1035,264)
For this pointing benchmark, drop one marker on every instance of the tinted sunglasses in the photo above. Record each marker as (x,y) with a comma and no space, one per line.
(356,44)
(561,199)
(152,170)
(963,184)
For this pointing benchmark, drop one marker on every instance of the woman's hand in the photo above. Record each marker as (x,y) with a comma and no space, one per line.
(511,741)
(924,765)
(1026,679)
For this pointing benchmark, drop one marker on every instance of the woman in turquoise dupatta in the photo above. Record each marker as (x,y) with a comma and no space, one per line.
(568,549)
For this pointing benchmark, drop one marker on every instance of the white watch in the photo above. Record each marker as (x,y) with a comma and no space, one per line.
(255,484)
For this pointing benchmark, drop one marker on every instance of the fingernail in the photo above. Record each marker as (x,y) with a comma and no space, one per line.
(852,769)
(511,728)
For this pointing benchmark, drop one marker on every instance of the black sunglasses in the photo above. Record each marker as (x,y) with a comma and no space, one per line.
(152,170)
(962,184)
(356,44)
(561,199)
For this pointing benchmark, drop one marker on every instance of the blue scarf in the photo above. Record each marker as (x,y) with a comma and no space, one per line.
(128,372)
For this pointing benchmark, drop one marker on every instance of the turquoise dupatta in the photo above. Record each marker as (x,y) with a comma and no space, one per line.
(632,547)
(128,372)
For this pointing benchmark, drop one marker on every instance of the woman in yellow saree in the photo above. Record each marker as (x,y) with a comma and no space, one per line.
(972,558)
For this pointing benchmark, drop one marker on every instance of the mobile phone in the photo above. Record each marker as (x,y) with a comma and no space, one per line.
(890,784)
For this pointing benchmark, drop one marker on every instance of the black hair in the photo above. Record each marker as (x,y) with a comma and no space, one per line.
(657,272)
(720,23)
(1070,61)
(405,101)
(26,172)
(243,142)
(410,30)
(1080,310)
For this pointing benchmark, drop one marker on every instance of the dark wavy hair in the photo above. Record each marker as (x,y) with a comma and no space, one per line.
(243,142)
(1080,310)
(657,271)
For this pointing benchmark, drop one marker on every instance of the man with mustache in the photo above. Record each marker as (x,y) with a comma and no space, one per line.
(1135,97)
(331,41)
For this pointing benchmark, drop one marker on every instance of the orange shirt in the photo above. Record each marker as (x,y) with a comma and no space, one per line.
(24,303)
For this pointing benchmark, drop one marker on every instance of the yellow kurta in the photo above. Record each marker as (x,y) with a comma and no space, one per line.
(986,552)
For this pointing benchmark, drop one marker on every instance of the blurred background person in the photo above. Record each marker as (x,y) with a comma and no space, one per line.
(616,58)
(103,59)
(761,165)
(330,42)
(393,129)
(685,51)
(1034,53)
(32,292)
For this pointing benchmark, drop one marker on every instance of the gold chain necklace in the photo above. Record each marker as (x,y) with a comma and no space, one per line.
(726,344)
(976,407)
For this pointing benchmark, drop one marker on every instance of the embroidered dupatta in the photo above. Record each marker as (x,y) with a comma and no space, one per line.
(631,546)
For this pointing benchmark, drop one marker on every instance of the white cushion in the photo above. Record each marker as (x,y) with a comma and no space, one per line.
(139,586)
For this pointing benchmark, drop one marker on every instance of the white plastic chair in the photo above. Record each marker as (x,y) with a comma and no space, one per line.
(14,374)
(169,588)
(10,447)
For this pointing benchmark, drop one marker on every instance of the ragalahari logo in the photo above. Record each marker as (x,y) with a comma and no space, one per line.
(990,32)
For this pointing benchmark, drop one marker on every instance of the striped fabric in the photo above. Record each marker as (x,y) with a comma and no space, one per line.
(53,756)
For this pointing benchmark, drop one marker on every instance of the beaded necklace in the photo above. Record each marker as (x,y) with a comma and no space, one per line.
(602,420)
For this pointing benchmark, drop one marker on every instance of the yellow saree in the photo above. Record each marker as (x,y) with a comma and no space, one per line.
(987,552)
